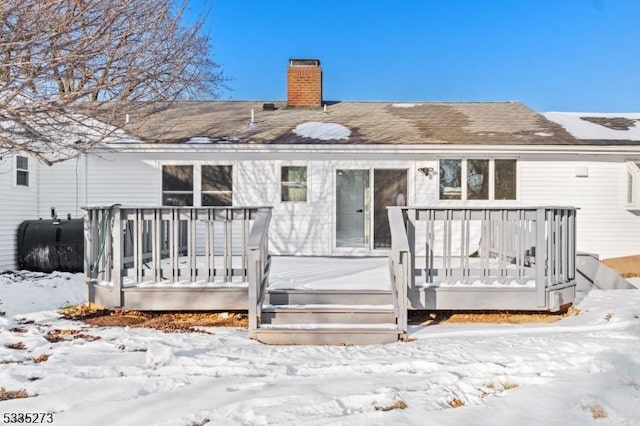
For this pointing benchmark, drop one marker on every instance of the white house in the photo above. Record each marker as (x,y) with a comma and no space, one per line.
(330,169)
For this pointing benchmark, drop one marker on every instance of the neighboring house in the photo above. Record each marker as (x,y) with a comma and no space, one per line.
(28,191)
(330,169)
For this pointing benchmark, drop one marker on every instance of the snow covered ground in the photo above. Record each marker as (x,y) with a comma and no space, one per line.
(565,373)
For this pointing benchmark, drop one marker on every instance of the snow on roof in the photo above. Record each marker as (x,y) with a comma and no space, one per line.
(322,131)
(598,126)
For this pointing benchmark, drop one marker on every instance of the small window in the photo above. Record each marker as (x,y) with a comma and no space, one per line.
(294,183)
(177,185)
(629,188)
(633,185)
(22,171)
(217,185)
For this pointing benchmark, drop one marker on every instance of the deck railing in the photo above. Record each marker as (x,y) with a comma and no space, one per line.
(487,245)
(401,267)
(130,246)
(259,265)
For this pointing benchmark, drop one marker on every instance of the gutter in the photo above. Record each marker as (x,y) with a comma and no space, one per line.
(627,150)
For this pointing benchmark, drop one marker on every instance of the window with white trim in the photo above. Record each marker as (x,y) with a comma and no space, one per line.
(477,179)
(633,185)
(22,171)
(197,185)
(293,181)
(177,185)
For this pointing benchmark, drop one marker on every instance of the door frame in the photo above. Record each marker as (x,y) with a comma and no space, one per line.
(369,219)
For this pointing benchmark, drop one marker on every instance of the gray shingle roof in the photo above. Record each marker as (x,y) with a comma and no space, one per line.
(502,123)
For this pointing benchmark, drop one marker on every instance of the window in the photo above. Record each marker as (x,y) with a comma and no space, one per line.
(217,184)
(450,173)
(22,171)
(177,185)
(505,180)
(294,183)
(197,185)
(478,179)
(633,185)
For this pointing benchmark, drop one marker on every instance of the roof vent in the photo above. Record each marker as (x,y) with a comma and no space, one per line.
(268,107)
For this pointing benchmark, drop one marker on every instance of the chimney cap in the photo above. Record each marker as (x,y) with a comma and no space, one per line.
(304,62)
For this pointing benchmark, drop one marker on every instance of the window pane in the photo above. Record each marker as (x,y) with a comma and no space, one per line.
(505,179)
(217,198)
(22,178)
(22,163)
(477,179)
(450,171)
(294,174)
(177,178)
(169,199)
(217,178)
(294,183)
(294,193)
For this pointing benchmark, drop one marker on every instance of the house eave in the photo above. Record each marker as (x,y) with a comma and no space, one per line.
(599,149)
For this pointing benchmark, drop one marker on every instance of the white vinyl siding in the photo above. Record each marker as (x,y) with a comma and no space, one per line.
(18,204)
(604,225)
(62,186)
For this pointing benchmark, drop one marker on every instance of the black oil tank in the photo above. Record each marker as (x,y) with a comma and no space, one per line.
(51,245)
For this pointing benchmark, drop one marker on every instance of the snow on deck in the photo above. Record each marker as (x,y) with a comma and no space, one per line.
(329,273)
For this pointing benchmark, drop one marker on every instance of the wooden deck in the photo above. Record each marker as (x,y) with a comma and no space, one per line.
(217,258)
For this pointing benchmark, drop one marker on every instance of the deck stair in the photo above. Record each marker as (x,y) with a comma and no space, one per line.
(327,317)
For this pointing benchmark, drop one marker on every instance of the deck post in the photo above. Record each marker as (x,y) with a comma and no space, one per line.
(90,252)
(541,257)
(116,274)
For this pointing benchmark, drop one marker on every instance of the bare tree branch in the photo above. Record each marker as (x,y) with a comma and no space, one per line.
(64,60)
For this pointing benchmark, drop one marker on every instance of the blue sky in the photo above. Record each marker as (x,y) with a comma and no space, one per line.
(553,55)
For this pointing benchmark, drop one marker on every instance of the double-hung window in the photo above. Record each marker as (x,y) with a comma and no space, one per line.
(22,171)
(293,181)
(477,179)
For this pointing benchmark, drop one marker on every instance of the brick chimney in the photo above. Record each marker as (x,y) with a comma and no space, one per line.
(304,83)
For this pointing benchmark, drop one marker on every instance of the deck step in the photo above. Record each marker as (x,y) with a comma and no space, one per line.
(327,314)
(336,334)
(335,297)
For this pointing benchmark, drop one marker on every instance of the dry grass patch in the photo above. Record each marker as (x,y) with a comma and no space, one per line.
(164,321)
(17,346)
(18,330)
(597,410)
(627,266)
(40,358)
(6,395)
(490,317)
(62,335)
(397,405)
(455,403)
